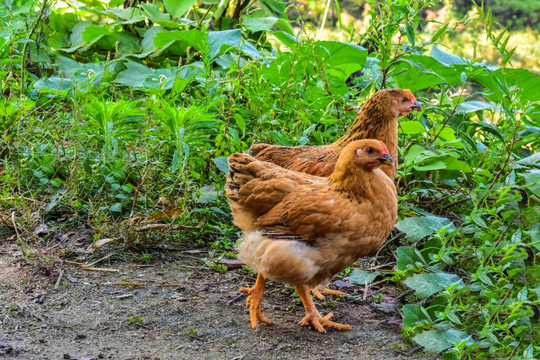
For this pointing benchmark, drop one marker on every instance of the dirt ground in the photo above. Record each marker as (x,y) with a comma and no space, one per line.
(175,308)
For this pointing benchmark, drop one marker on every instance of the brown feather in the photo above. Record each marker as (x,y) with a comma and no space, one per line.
(376,120)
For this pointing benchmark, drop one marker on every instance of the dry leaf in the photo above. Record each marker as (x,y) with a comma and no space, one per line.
(102,242)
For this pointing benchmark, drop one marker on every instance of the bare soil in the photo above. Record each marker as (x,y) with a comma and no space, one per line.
(176,308)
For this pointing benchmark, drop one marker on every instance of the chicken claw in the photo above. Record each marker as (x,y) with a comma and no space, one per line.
(313,317)
(319,294)
(319,323)
(254,301)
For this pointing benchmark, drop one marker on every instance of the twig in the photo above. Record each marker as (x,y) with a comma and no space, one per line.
(21,241)
(137,189)
(15,198)
(501,304)
(154,353)
(57,284)
(495,246)
(234,299)
(75,263)
(427,147)
(514,351)
(397,236)
(124,296)
(141,285)
(455,203)
(100,260)
(99,269)
(405,293)
(379,266)
(366,289)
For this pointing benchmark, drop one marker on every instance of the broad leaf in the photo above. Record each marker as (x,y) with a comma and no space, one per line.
(134,75)
(227,40)
(473,106)
(409,258)
(415,315)
(436,341)
(178,7)
(343,59)
(222,164)
(426,285)
(417,228)
(52,85)
(361,277)
(255,24)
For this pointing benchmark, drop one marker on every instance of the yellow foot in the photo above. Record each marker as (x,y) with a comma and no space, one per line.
(319,323)
(318,294)
(254,302)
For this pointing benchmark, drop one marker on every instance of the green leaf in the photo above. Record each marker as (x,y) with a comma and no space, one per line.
(508,55)
(230,40)
(416,228)
(528,353)
(178,7)
(207,194)
(134,75)
(426,285)
(436,341)
(524,81)
(222,164)
(415,315)
(473,106)
(93,33)
(255,24)
(446,58)
(130,15)
(532,181)
(409,29)
(343,59)
(439,33)
(75,39)
(52,85)
(240,122)
(161,79)
(287,39)
(117,207)
(412,127)
(156,16)
(409,258)
(484,277)
(147,43)
(361,277)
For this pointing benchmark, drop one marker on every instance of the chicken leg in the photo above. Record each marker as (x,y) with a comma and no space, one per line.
(319,294)
(313,317)
(254,301)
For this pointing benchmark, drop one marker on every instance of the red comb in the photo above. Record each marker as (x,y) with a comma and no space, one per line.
(408,92)
(385,149)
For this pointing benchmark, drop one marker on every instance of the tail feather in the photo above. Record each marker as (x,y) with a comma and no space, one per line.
(255,149)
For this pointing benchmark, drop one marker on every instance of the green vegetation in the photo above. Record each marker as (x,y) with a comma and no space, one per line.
(108,110)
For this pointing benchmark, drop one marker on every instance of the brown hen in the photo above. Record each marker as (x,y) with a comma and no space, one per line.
(376,120)
(303,230)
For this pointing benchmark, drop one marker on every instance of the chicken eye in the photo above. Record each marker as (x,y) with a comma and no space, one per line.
(404,100)
(369,150)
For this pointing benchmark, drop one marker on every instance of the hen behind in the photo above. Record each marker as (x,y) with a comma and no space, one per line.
(376,120)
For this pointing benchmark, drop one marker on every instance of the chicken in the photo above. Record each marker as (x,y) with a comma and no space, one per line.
(376,120)
(302,229)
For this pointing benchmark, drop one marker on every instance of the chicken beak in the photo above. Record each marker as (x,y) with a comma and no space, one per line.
(416,107)
(386,159)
